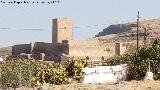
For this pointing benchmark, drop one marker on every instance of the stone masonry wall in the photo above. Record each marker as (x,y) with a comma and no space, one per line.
(22,48)
(53,52)
(91,48)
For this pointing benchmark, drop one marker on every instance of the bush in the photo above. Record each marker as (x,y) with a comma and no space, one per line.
(138,61)
(22,72)
(115,60)
(17,72)
(50,74)
(74,67)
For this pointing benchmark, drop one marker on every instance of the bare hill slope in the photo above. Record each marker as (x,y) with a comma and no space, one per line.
(128,30)
(5,51)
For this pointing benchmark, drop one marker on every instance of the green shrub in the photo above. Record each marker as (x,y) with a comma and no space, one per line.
(22,72)
(138,61)
(74,67)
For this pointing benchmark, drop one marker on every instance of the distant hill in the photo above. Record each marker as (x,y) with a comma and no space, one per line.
(128,30)
(115,29)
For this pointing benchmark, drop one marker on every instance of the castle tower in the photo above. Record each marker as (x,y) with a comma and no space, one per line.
(62,30)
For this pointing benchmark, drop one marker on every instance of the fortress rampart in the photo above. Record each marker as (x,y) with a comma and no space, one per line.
(63,47)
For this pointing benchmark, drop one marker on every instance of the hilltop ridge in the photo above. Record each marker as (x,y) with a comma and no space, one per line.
(128,30)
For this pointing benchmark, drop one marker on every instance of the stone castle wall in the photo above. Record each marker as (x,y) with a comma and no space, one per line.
(94,49)
(53,52)
(91,48)
(22,48)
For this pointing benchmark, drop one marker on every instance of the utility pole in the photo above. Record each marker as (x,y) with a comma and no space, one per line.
(137,31)
(145,36)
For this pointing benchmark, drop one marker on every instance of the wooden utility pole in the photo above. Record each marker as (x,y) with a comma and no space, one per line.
(145,36)
(137,31)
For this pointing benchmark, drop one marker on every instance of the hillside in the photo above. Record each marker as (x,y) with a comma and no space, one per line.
(5,51)
(128,30)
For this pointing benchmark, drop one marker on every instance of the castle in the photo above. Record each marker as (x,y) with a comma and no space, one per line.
(64,47)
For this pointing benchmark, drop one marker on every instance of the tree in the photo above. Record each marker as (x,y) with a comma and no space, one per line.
(138,61)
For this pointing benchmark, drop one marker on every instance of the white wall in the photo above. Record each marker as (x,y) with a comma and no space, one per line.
(103,74)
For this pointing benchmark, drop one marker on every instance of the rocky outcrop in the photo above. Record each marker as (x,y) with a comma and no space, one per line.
(152,28)
(115,29)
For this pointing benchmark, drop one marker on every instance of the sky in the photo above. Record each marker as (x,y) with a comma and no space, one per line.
(89,17)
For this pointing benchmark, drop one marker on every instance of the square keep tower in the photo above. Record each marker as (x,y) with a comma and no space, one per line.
(62,30)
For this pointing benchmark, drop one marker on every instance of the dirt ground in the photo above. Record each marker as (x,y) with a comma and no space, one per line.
(127,85)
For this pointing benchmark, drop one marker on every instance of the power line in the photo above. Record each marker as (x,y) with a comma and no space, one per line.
(29,29)
(103,25)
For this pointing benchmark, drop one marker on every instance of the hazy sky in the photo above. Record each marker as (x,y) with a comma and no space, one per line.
(91,16)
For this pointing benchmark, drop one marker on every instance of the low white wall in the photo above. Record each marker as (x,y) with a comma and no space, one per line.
(103,74)
(1,59)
